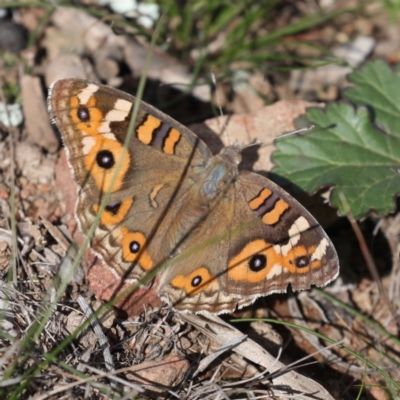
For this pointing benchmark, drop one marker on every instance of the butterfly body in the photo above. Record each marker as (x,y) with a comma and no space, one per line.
(224,236)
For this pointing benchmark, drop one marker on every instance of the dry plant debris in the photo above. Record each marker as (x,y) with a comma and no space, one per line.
(157,353)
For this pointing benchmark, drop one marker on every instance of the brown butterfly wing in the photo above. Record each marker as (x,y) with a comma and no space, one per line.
(255,242)
(133,233)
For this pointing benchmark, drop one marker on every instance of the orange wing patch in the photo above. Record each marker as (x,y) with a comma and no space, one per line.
(260,260)
(100,147)
(171,141)
(196,282)
(102,160)
(259,200)
(239,267)
(273,216)
(114,214)
(87,117)
(134,249)
(154,194)
(268,206)
(158,134)
(146,131)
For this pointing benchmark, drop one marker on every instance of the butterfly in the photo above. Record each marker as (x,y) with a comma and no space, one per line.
(225,237)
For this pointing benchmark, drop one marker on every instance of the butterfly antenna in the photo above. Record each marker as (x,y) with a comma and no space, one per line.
(218,101)
(306,129)
(246,146)
(294,133)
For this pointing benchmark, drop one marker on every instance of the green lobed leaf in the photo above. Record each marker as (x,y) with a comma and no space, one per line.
(346,150)
(377,87)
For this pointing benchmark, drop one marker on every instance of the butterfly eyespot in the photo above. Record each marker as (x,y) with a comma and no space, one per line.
(258,262)
(134,246)
(83,114)
(302,262)
(105,159)
(113,208)
(196,281)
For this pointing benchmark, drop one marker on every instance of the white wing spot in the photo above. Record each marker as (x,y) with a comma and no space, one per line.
(88,143)
(87,93)
(123,106)
(275,270)
(109,135)
(320,251)
(278,249)
(118,113)
(294,233)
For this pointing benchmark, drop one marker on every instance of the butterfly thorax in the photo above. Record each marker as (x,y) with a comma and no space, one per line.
(209,185)
(219,173)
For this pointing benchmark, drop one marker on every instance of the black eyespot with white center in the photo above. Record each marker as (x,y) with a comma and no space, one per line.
(113,208)
(83,113)
(105,159)
(258,262)
(302,262)
(134,247)
(196,281)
